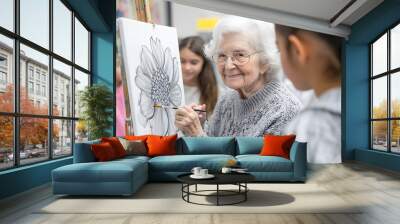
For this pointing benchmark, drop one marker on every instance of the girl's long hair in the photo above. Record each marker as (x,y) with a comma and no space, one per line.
(206,79)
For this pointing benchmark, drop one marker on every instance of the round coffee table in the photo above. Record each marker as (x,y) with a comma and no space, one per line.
(238,179)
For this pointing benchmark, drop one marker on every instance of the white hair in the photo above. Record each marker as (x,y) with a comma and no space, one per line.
(260,35)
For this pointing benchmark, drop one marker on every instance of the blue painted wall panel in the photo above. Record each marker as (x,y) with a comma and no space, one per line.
(24,178)
(356,82)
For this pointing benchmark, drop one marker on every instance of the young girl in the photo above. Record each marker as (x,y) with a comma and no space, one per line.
(312,61)
(200,84)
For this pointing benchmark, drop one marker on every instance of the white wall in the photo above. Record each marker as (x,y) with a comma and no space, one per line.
(184,18)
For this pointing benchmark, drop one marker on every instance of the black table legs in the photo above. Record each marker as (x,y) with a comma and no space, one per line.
(220,193)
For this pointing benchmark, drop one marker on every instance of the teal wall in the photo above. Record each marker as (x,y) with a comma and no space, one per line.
(356,85)
(99,16)
(24,178)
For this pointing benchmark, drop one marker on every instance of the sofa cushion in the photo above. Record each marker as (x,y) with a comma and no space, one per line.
(185,163)
(277,145)
(134,147)
(206,145)
(103,152)
(161,145)
(131,158)
(257,163)
(116,145)
(136,137)
(249,145)
(112,171)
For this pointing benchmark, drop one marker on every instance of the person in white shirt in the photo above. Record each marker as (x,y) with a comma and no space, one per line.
(199,79)
(313,61)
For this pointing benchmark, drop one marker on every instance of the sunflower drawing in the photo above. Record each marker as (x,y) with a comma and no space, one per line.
(157,78)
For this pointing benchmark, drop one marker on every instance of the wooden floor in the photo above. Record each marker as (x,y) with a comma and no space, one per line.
(378,188)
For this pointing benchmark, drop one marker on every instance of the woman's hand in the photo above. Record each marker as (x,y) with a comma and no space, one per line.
(202,115)
(188,121)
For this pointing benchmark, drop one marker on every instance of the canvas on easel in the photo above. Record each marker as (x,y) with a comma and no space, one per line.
(151,60)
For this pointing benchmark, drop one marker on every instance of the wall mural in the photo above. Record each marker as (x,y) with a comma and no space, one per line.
(150,55)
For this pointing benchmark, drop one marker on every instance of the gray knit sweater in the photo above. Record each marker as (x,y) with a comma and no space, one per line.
(266,112)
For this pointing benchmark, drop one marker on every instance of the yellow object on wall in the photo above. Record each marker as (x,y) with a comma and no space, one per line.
(206,24)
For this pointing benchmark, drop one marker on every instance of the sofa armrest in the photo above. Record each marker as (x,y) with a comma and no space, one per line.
(298,155)
(83,152)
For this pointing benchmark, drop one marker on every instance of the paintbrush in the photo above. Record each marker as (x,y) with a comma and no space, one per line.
(175,108)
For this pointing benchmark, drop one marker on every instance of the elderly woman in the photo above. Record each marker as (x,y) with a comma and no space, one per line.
(258,103)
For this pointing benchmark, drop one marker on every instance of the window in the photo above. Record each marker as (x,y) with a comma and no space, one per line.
(43,77)
(385,91)
(35,22)
(3,72)
(41,84)
(3,78)
(6,89)
(7,14)
(37,74)
(3,61)
(62,74)
(30,72)
(81,45)
(30,87)
(43,90)
(38,89)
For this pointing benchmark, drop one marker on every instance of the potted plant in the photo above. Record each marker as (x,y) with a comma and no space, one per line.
(96,102)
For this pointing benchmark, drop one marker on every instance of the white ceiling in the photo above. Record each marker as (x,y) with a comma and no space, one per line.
(317,15)
(320,9)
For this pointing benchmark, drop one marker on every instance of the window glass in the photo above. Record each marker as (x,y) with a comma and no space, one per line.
(395,136)
(379,56)
(6,74)
(379,98)
(62,91)
(33,140)
(7,14)
(6,142)
(395,95)
(81,45)
(34,21)
(62,29)
(62,138)
(395,48)
(379,135)
(81,81)
(39,62)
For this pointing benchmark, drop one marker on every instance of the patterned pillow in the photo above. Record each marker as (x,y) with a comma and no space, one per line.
(134,147)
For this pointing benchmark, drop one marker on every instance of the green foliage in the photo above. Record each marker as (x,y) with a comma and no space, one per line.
(96,102)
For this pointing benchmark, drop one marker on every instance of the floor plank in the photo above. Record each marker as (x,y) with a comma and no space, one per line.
(377,189)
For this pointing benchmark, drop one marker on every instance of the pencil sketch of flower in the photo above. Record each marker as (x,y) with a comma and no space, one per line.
(157,78)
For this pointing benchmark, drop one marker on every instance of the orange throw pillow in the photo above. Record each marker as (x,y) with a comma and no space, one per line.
(116,145)
(103,151)
(277,145)
(161,145)
(135,138)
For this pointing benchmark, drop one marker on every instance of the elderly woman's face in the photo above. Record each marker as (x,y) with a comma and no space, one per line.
(238,75)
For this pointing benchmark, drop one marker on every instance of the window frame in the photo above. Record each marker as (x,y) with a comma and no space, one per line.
(16,114)
(388,74)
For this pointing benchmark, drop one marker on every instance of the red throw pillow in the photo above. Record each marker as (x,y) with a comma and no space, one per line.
(277,145)
(161,145)
(116,145)
(103,151)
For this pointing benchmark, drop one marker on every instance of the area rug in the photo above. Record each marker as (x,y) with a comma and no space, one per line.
(167,198)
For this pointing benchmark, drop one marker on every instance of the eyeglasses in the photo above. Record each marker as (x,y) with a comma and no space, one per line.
(237,58)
